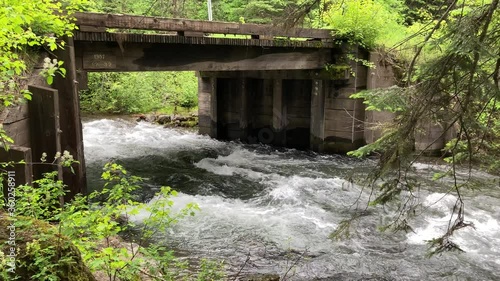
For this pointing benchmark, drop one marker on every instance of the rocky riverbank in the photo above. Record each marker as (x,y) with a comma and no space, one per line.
(170,121)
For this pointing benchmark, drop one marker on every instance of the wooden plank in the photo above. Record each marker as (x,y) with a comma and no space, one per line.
(86,28)
(177,57)
(71,124)
(44,127)
(195,40)
(83,80)
(166,24)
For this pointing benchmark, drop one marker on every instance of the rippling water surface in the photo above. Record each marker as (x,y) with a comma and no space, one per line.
(277,206)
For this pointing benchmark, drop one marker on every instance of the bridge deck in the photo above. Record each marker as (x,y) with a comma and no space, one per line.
(194,40)
(94,27)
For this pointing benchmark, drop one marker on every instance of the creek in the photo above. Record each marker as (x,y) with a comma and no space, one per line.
(275,208)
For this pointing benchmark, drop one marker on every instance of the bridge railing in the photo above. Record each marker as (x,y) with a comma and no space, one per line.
(96,22)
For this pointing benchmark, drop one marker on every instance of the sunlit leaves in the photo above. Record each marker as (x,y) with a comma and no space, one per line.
(27,24)
(365,22)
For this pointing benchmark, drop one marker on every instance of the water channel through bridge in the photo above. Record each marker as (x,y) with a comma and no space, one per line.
(282,86)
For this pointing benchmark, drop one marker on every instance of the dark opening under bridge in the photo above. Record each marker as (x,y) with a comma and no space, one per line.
(257,83)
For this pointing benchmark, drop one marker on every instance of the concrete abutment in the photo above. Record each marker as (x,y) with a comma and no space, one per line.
(291,110)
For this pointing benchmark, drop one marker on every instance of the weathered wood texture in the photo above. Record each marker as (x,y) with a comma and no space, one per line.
(172,39)
(44,123)
(71,125)
(165,24)
(101,56)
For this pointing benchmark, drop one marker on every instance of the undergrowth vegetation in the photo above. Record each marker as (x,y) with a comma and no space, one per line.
(96,224)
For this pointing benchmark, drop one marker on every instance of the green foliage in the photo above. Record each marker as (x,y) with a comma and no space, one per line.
(29,24)
(139,92)
(365,22)
(40,203)
(51,68)
(210,271)
(94,224)
(392,99)
(452,79)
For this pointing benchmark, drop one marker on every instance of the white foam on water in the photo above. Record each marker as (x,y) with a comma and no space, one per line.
(105,139)
(296,206)
(222,219)
(481,241)
(291,189)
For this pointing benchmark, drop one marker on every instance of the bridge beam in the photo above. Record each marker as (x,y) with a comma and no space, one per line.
(112,56)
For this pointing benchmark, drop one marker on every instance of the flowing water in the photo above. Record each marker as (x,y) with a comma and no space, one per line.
(272,210)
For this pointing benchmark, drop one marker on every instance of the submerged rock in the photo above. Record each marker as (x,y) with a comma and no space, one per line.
(163,119)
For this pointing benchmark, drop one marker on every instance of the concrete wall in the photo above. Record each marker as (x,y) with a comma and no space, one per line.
(344,116)
(296,112)
(15,120)
(382,76)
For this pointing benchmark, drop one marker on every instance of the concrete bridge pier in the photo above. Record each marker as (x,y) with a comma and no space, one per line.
(289,109)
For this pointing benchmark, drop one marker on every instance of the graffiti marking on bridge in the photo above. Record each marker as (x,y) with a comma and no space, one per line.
(99,61)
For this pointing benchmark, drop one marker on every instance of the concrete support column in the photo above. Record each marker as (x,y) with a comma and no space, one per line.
(381,76)
(244,109)
(317,134)
(279,113)
(343,120)
(207,106)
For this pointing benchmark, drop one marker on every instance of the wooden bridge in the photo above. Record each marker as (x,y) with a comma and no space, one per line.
(257,83)
(179,44)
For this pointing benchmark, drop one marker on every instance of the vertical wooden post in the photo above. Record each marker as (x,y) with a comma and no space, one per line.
(71,125)
(317,115)
(83,80)
(279,113)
